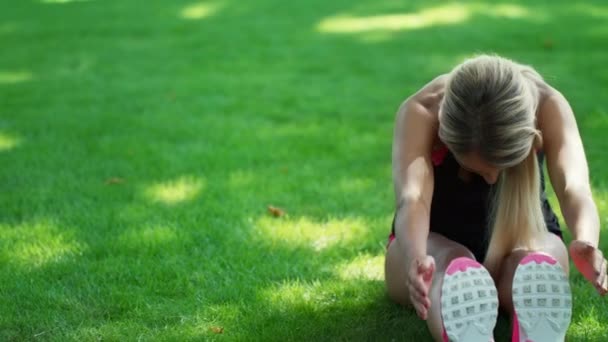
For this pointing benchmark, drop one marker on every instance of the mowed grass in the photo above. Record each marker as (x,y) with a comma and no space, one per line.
(141,143)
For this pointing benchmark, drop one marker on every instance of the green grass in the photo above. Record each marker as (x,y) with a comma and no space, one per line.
(208,112)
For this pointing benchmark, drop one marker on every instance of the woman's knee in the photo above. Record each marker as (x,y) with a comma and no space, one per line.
(549,243)
(445,250)
(442,249)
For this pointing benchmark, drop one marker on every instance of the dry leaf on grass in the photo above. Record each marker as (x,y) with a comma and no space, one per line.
(115,180)
(276,212)
(217,330)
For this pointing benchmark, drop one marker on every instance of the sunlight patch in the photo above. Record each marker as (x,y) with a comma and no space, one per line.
(587,327)
(305,232)
(9,77)
(62,1)
(296,293)
(149,236)
(449,14)
(176,191)
(198,10)
(505,10)
(8,142)
(38,243)
(365,267)
(440,15)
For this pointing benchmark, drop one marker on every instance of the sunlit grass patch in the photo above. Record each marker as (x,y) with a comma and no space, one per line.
(150,236)
(176,191)
(8,142)
(34,244)
(448,14)
(369,267)
(61,1)
(440,15)
(295,293)
(199,10)
(306,232)
(588,326)
(512,11)
(10,77)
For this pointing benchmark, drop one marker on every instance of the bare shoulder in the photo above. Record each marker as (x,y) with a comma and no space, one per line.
(431,94)
(557,123)
(553,108)
(425,102)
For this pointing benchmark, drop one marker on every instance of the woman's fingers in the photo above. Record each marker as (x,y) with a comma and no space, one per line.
(424,300)
(602,279)
(421,311)
(591,263)
(416,282)
(419,282)
(426,269)
(418,286)
(599,272)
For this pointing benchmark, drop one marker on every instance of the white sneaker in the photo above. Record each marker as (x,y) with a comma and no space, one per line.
(542,300)
(469,302)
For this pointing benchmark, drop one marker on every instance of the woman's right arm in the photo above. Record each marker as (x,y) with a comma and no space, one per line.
(415,131)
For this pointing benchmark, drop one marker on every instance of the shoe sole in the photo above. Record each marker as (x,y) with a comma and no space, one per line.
(542,300)
(469,302)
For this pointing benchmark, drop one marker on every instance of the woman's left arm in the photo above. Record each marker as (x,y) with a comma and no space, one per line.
(569,176)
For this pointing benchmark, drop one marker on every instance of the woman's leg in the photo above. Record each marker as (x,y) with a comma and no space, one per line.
(550,244)
(444,251)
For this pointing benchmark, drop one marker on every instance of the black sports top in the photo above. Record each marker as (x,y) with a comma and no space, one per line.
(459,209)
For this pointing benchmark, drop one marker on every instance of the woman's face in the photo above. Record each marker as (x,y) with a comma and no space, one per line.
(473,163)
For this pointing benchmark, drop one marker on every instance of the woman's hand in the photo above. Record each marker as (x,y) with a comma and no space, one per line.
(591,263)
(419,280)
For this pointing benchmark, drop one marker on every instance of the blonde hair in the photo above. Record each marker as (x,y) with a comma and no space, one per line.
(489,107)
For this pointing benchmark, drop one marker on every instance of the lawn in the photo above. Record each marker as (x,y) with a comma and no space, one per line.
(142,141)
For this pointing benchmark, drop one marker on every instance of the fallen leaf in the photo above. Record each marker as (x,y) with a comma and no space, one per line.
(276,212)
(548,44)
(217,330)
(115,180)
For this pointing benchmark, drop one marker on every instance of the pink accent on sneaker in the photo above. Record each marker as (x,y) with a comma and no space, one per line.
(461,264)
(515,337)
(445,336)
(538,258)
(516,330)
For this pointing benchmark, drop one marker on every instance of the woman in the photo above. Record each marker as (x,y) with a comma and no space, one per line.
(467,171)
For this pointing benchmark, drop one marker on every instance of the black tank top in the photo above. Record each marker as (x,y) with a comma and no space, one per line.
(459,209)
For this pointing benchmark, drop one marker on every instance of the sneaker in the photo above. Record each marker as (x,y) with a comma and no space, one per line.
(469,302)
(542,300)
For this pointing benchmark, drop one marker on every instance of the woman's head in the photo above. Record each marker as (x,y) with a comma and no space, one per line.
(487,114)
(487,118)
